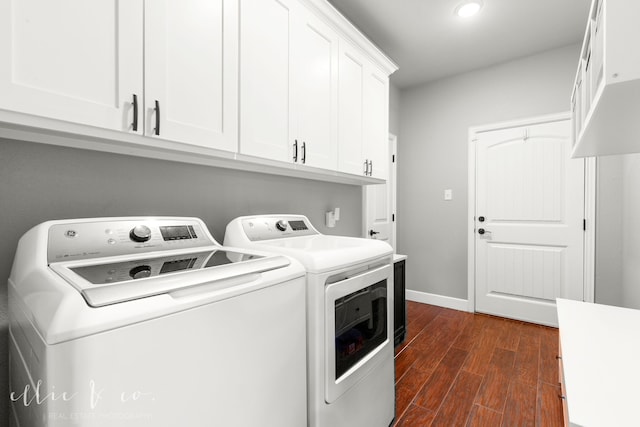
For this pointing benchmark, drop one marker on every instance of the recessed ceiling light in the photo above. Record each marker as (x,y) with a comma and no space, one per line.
(468,8)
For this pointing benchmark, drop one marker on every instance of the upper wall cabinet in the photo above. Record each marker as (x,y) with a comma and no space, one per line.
(82,62)
(191,71)
(75,60)
(606,96)
(288,84)
(362,115)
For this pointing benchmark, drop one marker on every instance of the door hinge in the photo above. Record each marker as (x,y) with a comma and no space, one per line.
(393,158)
(393,217)
(584,225)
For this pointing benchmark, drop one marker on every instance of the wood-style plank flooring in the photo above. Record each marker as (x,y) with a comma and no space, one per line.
(462,369)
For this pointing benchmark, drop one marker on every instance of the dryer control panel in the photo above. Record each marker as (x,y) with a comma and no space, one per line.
(100,238)
(268,227)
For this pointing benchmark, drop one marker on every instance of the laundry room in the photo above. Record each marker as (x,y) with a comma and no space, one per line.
(474,175)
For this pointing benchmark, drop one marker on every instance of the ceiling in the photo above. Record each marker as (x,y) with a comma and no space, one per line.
(429,42)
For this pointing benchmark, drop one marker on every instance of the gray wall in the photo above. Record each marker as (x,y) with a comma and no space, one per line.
(609,190)
(41,182)
(432,148)
(631,231)
(618,231)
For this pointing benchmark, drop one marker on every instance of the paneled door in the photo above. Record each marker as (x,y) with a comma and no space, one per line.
(380,202)
(191,72)
(75,60)
(315,53)
(265,78)
(529,221)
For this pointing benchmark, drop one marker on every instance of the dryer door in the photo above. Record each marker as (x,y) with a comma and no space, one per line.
(358,327)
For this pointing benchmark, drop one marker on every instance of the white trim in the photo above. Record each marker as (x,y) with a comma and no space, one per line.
(334,18)
(528,121)
(590,194)
(590,205)
(392,183)
(439,300)
(471,224)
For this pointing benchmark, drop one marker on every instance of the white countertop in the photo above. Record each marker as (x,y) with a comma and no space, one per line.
(398,257)
(601,360)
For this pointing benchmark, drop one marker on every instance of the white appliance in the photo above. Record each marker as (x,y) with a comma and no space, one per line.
(349,316)
(150,322)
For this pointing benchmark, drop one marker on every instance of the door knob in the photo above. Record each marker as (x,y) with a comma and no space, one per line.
(373,233)
(481,231)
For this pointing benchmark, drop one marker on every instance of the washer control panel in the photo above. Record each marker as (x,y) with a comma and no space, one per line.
(275,227)
(95,239)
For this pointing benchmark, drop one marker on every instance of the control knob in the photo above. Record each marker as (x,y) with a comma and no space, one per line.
(140,233)
(281,225)
(140,272)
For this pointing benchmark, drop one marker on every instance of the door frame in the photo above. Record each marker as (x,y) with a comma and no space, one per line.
(589,207)
(392,149)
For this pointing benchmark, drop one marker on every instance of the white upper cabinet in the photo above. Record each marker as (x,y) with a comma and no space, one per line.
(82,62)
(265,78)
(363,115)
(315,91)
(77,61)
(352,64)
(606,97)
(376,123)
(191,71)
(288,84)
(279,86)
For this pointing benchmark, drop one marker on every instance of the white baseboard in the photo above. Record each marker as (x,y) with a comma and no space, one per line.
(439,300)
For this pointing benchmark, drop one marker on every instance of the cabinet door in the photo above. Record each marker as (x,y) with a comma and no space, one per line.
(74,60)
(265,78)
(350,110)
(315,91)
(191,57)
(376,122)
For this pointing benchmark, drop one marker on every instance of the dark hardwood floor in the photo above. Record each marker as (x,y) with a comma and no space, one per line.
(462,369)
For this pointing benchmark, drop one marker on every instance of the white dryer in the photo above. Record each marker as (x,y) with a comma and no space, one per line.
(150,322)
(349,316)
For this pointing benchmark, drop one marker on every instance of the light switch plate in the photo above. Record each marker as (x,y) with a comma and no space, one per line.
(448,194)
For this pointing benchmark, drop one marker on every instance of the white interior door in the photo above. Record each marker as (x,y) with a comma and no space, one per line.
(380,204)
(530,209)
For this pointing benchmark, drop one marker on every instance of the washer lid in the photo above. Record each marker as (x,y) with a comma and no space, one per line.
(319,253)
(119,279)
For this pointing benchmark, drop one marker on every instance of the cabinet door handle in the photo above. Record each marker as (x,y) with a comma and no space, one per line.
(366,167)
(134,125)
(370,167)
(157,111)
(304,152)
(295,151)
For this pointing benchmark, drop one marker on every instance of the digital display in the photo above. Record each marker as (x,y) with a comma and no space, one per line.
(177,232)
(298,225)
(177,265)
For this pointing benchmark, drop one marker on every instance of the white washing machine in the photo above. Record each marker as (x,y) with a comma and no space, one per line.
(349,316)
(150,322)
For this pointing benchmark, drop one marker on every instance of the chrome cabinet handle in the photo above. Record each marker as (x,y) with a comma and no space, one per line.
(366,167)
(134,125)
(295,151)
(370,167)
(156,130)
